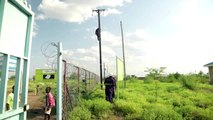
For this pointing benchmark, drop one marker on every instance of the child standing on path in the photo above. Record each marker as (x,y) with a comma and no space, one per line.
(50,102)
(10,98)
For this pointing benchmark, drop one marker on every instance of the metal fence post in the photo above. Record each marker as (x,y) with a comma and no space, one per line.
(59,83)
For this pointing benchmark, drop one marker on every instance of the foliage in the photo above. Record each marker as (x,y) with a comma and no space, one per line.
(155,73)
(42,86)
(101,108)
(159,112)
(97,105)
(172,77)
(189,82)
(193,113)
(80,113)
(129,77)
(183,97)
(204,78)
(149,79)
(33,77)
(73,76)
(126,107)
(12,77)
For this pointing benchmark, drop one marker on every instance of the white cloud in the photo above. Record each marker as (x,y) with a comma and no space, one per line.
(35,29)
(89,55)
(193,41)
(40,17)
(88,59)
(68,52)
(184,51)
(82,57)
(188,48)
(136,44)
(110,39)
(111,11)
(75,10)
(194,16)
(108,51)
(45,65)
(81,50)
(138,40)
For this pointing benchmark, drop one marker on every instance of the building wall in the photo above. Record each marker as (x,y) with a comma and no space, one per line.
(211,74)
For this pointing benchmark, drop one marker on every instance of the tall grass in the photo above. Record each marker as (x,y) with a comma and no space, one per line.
(142,100)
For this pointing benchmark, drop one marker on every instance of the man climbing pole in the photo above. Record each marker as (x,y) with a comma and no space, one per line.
(98,33)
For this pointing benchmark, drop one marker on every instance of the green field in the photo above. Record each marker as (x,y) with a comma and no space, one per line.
(185,98)
(175,97)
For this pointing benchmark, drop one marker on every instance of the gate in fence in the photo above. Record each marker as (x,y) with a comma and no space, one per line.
(16,21)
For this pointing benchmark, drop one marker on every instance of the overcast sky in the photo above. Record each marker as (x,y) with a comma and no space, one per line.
(176,34)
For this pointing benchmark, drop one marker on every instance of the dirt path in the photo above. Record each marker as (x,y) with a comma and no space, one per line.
(36,108)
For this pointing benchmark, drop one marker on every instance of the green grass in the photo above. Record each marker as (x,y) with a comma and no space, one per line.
(142,100)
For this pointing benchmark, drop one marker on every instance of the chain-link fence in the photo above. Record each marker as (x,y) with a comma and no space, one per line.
(78,82)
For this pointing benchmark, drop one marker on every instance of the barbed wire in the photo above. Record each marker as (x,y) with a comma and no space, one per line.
(49,53)
(51,59)
(45,48)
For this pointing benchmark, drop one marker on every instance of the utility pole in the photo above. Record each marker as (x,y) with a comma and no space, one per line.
(104,71)
(98,34)
(122,36)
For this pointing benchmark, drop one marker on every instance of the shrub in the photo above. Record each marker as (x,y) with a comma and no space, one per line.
(203,78)
(172,89)
(176,102)
(101,108)
(148,80)
(203,102)
(127,107)
(169,78)
(172,77)
(97,93)
(189,82)
(86,103)
(79,113)
(134,116)
(151,98)
(139,102)
(159,112)
(192,113)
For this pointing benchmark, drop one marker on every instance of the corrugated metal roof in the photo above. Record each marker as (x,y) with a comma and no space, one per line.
(209,64)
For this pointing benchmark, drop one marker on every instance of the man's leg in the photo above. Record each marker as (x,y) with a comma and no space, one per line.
(107,94)
(110,96)
(113,93)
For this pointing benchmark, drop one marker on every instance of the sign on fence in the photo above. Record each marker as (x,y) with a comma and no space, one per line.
(45,74)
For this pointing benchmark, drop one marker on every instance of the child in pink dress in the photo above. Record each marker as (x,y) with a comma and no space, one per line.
(50,102)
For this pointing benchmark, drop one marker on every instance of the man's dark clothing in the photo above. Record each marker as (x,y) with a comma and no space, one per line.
(110,84)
